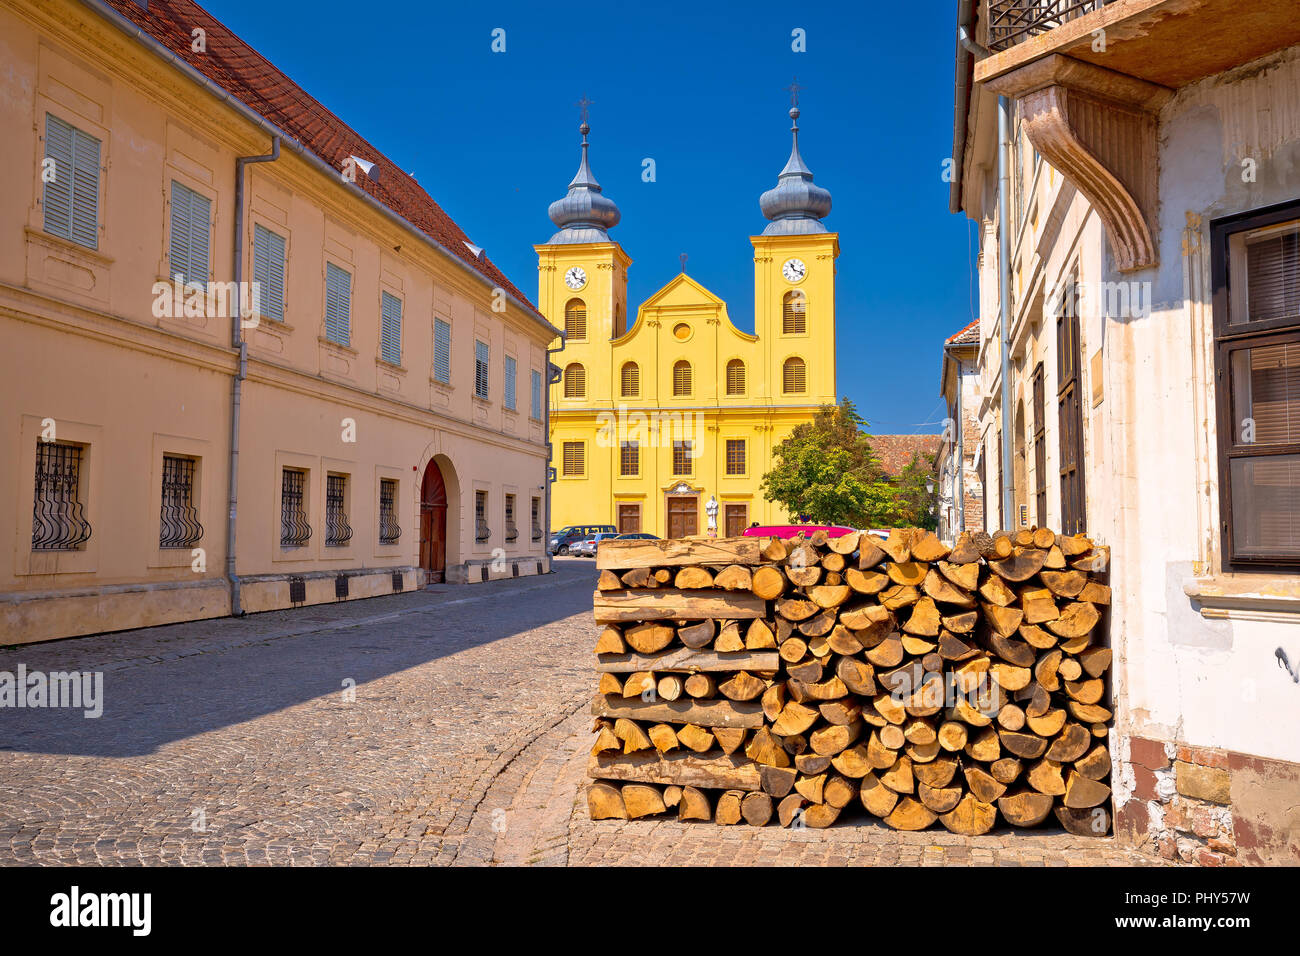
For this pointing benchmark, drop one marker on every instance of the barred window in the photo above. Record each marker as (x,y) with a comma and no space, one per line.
(511,372)
(537,519)
(337,530)
(575,459)
(512,531)
(682,378)
(794,376)
(735,377)
(338,305)
(180,527)
(59,511)
(735,456)
(629,464)
(268,272)
(191,227)
(575,320)
(794,311)
(481,530)
(481,355)
(630,380)
(71,195)
(390,328)
(442,351)
(294,529)
(682,455)
(535,406)
(575,381)
(389,530)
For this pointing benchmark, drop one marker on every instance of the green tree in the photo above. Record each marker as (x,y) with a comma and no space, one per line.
(825,471)
(916,505)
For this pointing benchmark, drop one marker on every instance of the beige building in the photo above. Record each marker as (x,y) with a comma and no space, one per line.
(378,395)
(1150,218)
(959,462)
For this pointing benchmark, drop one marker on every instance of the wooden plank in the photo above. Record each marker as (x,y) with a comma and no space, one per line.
(675,552)
(685,659)
(703,713)
(683,768)
(673,604)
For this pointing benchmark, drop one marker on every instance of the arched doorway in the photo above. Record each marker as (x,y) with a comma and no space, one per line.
(433,522)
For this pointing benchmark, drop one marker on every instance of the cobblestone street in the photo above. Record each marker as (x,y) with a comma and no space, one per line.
(233,742)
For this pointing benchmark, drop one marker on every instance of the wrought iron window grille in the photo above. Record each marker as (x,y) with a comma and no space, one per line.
(294,529)
(337,530)
(58,513)
(481,531)
(180,526)
(1015,21)
(389,530)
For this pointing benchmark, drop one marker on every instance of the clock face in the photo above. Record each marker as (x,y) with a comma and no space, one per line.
(794,270)
(575,278)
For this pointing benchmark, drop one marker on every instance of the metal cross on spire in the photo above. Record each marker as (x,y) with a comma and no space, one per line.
(683,258)
(793,90)
(582,105)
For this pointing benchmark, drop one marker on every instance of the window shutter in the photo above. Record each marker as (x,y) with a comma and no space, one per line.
(1273,277)
(735,377)
(71,199)
(575,381)
(481,355)
(793,313)
(575,320)
(574,460)
(442,351)
(390,333)
(536,381)
(631,380)
(338,305)
(268,272)
(682,378)
(190,229)
(510,383)
(794,376)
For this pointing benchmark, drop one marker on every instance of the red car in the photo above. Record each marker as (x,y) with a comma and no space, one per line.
(794,530)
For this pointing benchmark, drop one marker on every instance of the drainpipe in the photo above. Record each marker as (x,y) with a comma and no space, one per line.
(546,427)
(1004,301)
(238,342)
(960,489)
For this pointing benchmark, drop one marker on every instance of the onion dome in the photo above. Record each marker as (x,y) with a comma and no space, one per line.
(584,214)
(795,205)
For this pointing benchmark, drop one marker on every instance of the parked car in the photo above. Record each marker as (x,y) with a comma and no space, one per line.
(563,540)
(586,548)
(794,530)
(638,536)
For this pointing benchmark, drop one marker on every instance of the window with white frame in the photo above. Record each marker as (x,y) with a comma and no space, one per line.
(268,271)
(188,254)
(71,183)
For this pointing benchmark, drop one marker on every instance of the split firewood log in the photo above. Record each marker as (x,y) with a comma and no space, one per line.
(793,650)
(696,738)
(1009,676)
(1039,606)
(605,802)
(765,748)
(606,740)
(967,550)
(888,653)
(1088,713)
(878,755)
(953,648)
(807,671)
(1096,764)
(984,746)
(776,781)
(899,596)
(891,737)
(952,735)
(1025,808)
(609,684)
(939,800)
(639,683)
(773,701)
(995,591)
(911,814)
(811,763)
(851,762)
(670,687)
(842,712)
(729,640)
(672,795)
(742,686)
(1096,561)
(1005,770)
(729,738)
(899,778)
(638,578)
(829,596)
(775,549)
(1004,620)
(663,737)
(1076,620)
(1095,661)
(937,773)
(735,577)
(1088,822)
(845,544)
(843,641)
(924,619)
(796,609)
(866,582)
(1028,746)
(633,737)
(756,807)
(650,637)
(1071,744)
(870,553)
(794,745)
(759,636)
(1094,592)
(1011,717)
(1011,650)
(839,791)
(896,546)
(693,577)
(642,800)
(819,816)
(1083,792)
(608,581)
(830,740)
(701,686)
(1019,566)
(1045,777)
(1084,691)
(729,807)
(927,547)
(970,817)
(1049,724)
(858,676)
(804,577)
(1036,637)
(695,636)
(878,799)
(790,809)
(795,718)
(768,583)
(818,626)
(982,784)
(611,641)
(810,788)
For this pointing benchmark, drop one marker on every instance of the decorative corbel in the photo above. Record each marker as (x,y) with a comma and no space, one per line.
(1098,128)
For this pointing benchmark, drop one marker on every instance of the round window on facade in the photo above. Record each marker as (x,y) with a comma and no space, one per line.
(681,331)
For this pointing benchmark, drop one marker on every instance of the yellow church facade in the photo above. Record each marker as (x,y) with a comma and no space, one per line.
(666,424)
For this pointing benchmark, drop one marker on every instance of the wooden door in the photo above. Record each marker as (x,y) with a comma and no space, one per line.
(683,516)
(736,518)
(629,519)
(433,523)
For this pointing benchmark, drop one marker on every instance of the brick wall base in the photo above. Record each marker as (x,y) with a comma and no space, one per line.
(1206,806)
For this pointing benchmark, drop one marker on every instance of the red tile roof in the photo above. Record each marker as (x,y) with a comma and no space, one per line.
(895,451)
(967,336)
(249,77)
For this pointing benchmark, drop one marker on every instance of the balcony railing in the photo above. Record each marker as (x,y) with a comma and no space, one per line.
(1015,21)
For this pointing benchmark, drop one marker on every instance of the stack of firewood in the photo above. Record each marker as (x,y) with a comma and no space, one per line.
(758,679)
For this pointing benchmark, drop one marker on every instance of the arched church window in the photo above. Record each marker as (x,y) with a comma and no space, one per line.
(682,378)
(575,320)
(735,377)
(630,380)
(794,312)
(575,381)
(794,376)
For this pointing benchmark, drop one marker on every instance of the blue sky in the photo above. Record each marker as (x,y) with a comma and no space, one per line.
(701,90)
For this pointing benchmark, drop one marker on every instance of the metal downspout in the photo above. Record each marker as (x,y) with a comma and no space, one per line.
(238,342)
(546,427)
(1004,302)
(959,491)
